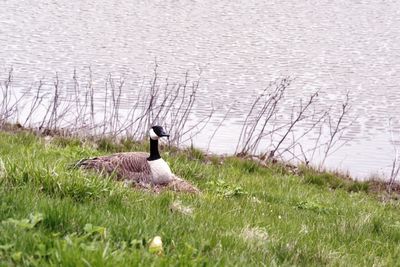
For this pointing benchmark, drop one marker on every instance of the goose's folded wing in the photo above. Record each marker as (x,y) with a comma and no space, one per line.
(131,165)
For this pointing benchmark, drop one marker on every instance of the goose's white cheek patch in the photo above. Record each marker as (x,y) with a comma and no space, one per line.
(153,135)
(160,171)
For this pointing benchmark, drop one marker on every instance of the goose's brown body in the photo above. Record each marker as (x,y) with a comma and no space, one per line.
(132,166)
(144,169)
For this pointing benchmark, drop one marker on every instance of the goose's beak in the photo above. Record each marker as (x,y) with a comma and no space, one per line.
(164,134)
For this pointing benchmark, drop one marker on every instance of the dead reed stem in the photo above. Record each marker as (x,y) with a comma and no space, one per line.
(268,128)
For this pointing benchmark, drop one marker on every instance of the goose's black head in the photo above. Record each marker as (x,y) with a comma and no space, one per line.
(157,132)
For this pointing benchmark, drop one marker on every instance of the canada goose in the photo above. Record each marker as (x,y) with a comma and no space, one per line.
(139,167)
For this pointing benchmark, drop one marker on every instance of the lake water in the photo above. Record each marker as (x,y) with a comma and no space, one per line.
(237,46)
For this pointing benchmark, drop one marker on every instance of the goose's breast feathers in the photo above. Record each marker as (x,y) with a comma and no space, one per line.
(161,173)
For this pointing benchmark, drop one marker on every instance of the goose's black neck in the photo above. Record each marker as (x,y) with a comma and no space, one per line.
(154,154)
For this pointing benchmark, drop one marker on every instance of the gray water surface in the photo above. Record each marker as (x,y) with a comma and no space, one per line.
(236,47)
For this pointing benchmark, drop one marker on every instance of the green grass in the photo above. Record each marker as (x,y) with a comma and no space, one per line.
(248,215)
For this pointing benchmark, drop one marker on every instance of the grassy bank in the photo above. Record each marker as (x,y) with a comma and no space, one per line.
(247,215)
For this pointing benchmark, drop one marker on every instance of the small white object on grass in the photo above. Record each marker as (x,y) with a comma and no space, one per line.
(156,246)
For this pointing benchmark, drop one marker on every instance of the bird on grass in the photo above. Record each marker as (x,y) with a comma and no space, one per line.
(141,168)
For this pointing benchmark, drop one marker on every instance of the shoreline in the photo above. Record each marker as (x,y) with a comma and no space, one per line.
(332,179)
